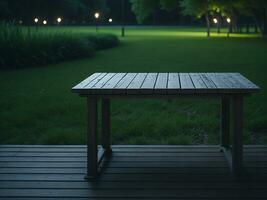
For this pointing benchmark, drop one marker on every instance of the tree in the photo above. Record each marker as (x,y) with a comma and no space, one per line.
(169,5)
(143,8)
(258,10)
(5,11)
(70,10)
(197,8)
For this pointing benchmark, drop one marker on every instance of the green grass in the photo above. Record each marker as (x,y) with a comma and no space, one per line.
(37,106)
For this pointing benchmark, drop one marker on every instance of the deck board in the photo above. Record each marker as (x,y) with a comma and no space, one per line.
(134,172)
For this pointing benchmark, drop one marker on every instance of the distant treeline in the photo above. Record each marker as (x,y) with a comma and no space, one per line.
(243,13)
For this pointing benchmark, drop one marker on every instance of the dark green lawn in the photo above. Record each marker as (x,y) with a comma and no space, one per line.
(37,106)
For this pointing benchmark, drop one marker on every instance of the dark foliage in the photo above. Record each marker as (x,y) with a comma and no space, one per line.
(21,48)
(104,41)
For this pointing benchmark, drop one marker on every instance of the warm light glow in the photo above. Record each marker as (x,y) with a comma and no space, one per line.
(110,20)
(97,15)
(215,20)
(36,20)
(228,20)
(44,22)
(59,20)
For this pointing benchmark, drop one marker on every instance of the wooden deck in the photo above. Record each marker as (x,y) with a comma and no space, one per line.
(134,172)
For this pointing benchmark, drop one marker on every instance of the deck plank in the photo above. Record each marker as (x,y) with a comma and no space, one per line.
(186,83)
(114,81)
(134,172)
(161,83)
(136,83)
(174,85)
(149,83)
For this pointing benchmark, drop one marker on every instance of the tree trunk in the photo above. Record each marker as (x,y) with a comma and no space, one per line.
(247,28)
(231,28)
(219,23)
(122,18)
(257,21)
(264,32)
(208,23)
(256,29)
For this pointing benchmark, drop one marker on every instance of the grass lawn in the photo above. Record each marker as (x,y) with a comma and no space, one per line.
(37,106)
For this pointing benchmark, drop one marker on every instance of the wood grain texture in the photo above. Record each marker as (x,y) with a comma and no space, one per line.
(161,83)
(134,172)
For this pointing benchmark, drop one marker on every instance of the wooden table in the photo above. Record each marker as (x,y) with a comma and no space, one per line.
(231,88)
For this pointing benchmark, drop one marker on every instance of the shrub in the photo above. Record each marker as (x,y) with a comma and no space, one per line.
(104,41)
(20,48)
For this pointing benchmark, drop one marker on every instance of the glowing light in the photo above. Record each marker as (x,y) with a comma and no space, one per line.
(36,20)
(228,20)
(110,20)
(59,19)
(97,15)
(215,21)
(44,22)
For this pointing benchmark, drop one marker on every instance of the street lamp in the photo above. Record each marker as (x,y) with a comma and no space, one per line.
(36,20)
(44,22)
(110,20)
(59,20)
(215,21)
(97,16)
(229,26)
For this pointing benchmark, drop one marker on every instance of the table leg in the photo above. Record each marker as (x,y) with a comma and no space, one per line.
(225,122)
(92,151)
(106,127)
(237,151)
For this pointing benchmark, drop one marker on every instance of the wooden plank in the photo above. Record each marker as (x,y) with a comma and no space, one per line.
(132,177)
(136,83)
(149,193)
(87,81)
(220,84)
(228,81)
(114,81)
(237,149)
(125,82)
(225,122)
(243,80)
(102,82)
(76,147)
(199,84)
(174,85)
(81,159)
(106,135)
(149,83)
(186,82)
(65,147)
(116,153)
(92,115)
(93,82)
(161,83)
(117,149)
(82,170)
(117,159)
(127,185)
(208,82)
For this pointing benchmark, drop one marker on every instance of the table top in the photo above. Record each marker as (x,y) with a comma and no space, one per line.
(165,83)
